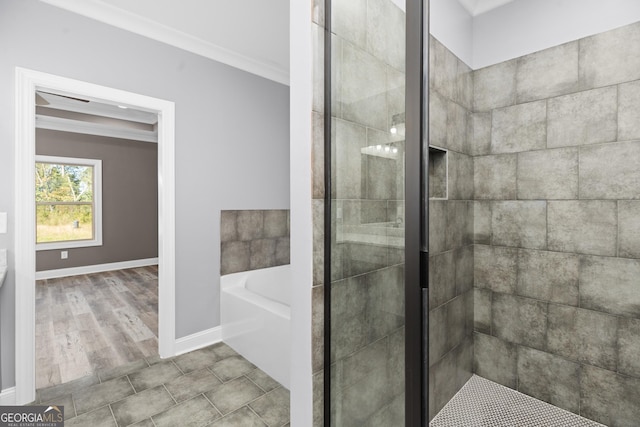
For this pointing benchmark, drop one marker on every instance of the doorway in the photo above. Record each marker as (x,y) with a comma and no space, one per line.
(27,83)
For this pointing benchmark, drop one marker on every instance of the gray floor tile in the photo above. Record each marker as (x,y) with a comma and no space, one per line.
(144,423)
(234,394)
(263,380)
(243,417)
(67,388)
(197,359)
(154,375)
(273,407)
(192,384)
(66,401)
(142,405)
(195,412)
(102,394)
(99,418)
(119,371)
(232,367)
(223,351)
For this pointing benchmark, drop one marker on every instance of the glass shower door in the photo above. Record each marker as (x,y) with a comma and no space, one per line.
(365,219)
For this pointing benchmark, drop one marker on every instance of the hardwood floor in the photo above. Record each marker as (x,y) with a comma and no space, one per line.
(94,322)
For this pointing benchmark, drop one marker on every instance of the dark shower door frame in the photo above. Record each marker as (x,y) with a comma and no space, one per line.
(416,213)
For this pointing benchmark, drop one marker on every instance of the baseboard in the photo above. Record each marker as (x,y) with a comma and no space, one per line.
(99,268)
(198,340)
(8,397)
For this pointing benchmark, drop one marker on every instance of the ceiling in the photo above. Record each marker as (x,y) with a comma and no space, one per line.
(477,7)
(252,35)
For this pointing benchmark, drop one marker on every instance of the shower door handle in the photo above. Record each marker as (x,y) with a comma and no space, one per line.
(424,269)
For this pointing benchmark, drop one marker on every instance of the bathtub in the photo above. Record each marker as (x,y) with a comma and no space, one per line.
(255,318)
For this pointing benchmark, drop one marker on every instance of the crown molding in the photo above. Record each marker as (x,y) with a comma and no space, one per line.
(103,12)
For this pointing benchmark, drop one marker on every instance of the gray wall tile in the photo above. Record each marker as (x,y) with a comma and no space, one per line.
(234,257)
(385,36)
(438,340)
(480,133)
(482,310)
(519,128)
(629,346)
(610,57)
(495,359)
(363,88)
(547,73)
(482,222)
(598,180)
(349,140)
(437,226)
(495,176)
(459,223)
(609,398)
(549,378)
(228,231)
(582,335)
(629,111)
(275,223)
(437,119)
(629,228)
(520,224)
(348,21)
(317,155)
(610,285)
(585,227)
(519,320)
(457,117)
(250,225)
(442,274)
(548,174)
(494,86)
(460,176)
(583,118)
(495,268)
(464,269)
(548,276)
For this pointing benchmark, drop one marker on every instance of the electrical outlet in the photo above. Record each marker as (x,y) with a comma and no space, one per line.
(64,254)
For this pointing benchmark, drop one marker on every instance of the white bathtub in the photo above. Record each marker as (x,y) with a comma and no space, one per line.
(255,318)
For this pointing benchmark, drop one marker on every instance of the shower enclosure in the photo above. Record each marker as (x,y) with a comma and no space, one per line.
(481,209)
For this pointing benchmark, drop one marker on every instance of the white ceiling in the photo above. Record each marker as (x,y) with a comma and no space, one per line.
(252,35)
(477,7)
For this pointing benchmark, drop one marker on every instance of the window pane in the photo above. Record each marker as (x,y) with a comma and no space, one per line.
(61,223)
(63,183)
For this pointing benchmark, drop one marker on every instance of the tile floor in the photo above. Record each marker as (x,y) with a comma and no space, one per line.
(483,403)
(214,387)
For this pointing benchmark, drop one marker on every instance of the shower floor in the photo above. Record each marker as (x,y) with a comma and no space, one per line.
(483,403)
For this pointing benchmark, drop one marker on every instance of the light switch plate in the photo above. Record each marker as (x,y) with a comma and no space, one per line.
(3,222)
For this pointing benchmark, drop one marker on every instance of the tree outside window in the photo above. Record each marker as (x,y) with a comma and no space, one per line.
(67,202)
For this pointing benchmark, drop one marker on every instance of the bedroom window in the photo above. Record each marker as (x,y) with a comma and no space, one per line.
(68,202)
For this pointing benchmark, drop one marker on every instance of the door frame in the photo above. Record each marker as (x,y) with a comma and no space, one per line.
(26,83)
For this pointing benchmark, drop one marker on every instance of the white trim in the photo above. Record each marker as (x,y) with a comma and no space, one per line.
(143,26)
(27,82)
(198,340)
(98,268)
(90,128)
(8,397)
(96,164)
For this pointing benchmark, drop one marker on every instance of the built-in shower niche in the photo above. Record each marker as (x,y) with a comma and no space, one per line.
(438,171)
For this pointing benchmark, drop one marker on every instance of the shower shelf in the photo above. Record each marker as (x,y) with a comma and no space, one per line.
(438,173)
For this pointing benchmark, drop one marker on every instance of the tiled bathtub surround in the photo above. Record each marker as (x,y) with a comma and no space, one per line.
(557,225)
(253,239)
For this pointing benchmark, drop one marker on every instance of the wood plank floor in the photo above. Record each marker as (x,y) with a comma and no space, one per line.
(94,322)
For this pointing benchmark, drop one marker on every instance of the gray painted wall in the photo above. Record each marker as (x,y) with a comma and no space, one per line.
(232,139)
(129,197)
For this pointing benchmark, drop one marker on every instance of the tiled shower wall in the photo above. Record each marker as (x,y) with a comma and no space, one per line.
(557,225)
(253,239)
(450,338)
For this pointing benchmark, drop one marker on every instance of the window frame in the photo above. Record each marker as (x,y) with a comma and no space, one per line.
(96,164)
